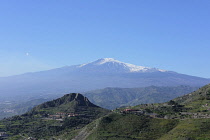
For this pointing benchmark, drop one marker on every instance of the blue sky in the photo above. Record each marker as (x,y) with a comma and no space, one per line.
(40,35)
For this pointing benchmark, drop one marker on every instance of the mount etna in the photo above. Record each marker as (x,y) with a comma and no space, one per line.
(102,73)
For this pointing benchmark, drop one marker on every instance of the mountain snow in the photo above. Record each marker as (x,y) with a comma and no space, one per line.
(112,64)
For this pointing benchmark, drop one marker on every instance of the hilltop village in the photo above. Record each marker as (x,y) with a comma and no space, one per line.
(170,110)
(60,116)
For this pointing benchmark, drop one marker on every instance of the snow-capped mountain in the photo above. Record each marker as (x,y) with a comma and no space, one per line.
(102,73)
(112,65)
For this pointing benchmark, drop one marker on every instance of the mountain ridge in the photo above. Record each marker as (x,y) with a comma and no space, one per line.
(79,98)
(122,67)
(112,98)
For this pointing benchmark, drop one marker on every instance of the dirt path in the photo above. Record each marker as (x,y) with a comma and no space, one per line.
(82,134)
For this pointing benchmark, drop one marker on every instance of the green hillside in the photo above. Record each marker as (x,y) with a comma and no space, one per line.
(184,118)
(134,127)
(198,101)
(130,126)
(63,115)
(112,98)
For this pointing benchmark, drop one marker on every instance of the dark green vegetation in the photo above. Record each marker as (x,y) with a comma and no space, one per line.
(60,116)
(112,98)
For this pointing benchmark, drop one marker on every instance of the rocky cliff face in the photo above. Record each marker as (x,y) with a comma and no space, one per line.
(73,100)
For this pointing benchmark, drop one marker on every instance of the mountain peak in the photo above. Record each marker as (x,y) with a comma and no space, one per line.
(113,65)
(79,99)
(106,60)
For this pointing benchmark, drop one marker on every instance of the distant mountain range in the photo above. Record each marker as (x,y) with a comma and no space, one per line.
(102,73)
(112,98)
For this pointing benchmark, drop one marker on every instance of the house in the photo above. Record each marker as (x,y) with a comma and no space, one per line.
(62,115)
(133,111)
